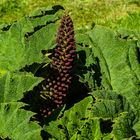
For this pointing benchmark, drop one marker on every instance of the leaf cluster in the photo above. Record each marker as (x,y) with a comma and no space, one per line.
(103,100)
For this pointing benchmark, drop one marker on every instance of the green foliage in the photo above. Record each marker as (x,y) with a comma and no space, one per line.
(108,65)
(109,13)
(15,122)
(109,115)
(114,111)
(23,41)
(75,123)
(11,10)
(132,21)
(20,44)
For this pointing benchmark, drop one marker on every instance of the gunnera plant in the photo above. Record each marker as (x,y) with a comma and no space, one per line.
(57,85)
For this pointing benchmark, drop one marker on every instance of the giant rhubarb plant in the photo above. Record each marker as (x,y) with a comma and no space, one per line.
(56,86)
(108,65)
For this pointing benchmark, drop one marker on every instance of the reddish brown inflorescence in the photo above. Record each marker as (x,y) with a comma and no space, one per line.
(62,63)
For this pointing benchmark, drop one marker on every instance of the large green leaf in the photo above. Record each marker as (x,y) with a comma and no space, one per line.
(119,68)
(75,124)
(15,122)
(119,62)
(13,85)
(113,106)
(21,44)
(118,53)
(107,115)
(106,60)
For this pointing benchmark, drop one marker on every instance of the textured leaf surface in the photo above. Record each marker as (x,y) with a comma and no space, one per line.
(114,112)
(120,66)
(22,45)
(108,63)
(119,62)
(25,39)
(75,124)
(113,106)
(15,122)
(95,119)
(13,85)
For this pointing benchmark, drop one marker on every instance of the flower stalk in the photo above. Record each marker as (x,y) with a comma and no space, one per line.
(62,63)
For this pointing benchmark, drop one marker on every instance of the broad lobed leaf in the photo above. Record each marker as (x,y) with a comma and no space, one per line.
(21,44)
(108,63)
(15,123)
(13,85)
(115,103)
(25,39)
(97,116)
